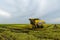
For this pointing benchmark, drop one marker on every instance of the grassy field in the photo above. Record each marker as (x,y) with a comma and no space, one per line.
(18,32)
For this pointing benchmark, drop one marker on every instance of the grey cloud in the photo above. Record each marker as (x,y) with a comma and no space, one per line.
(22,10)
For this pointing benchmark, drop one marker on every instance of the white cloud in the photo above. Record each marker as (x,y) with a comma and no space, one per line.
(5,14)
(54,20)
(10,2)
(42,4)
(28,8)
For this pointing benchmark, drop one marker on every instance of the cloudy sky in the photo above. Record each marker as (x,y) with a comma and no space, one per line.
(19,11)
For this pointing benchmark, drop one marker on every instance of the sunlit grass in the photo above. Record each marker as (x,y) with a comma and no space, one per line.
(19,32)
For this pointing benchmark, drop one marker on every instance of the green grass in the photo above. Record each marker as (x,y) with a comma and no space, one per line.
(18,32)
